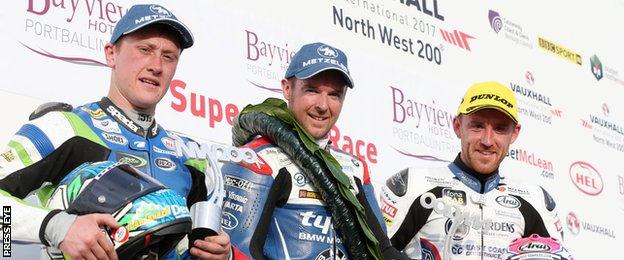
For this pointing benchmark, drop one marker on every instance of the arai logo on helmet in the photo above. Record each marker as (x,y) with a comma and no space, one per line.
(327,52)
(586,178)
(534,247)
(508,201)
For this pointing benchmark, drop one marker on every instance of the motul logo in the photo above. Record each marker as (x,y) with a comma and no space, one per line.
(457,38)
(388,209)
(586,178)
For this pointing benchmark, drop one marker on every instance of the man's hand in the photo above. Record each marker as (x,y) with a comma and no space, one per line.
(212,247)
(85,239)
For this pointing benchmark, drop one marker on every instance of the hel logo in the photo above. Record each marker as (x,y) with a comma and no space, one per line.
(586,178)
(169,143)
(534,247)
(508,201)
(327,52)
(228,221)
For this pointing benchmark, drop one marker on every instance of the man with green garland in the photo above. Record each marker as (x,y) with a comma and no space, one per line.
(304,199)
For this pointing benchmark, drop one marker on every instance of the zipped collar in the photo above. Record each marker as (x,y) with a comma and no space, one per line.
(481,183)
(115,112)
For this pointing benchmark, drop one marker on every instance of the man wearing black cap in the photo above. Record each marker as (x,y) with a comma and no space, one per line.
(304,199)
(143,55)
(467,210)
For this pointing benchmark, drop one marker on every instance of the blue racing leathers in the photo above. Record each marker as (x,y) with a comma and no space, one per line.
(47,148)
(271,210)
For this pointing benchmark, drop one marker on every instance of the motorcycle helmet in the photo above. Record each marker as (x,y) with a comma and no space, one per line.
(536,247)
(153,218)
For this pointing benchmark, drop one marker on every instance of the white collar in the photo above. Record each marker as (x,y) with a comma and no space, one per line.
(323,142)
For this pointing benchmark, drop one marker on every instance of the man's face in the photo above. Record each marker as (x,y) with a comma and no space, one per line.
(143,64)
(485,138)
(316,102)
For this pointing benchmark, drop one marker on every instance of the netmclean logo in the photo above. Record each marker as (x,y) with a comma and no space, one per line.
(586,178)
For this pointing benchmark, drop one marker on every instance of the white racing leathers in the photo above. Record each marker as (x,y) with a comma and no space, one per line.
(490,214)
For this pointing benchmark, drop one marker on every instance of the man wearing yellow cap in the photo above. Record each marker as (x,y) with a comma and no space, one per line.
(466,210)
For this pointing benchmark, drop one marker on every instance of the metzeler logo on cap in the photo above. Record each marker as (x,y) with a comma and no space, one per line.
(158,11)
(490,96)
(327,52)
(329,55)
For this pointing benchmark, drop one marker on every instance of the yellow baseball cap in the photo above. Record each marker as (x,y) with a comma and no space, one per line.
(489,94)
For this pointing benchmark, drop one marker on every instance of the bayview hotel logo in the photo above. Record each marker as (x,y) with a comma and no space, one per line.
(266,59)
(67,30)
(421,128)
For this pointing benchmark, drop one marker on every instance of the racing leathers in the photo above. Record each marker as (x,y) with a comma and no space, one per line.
(420,205)
(47,148)
(271,210)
